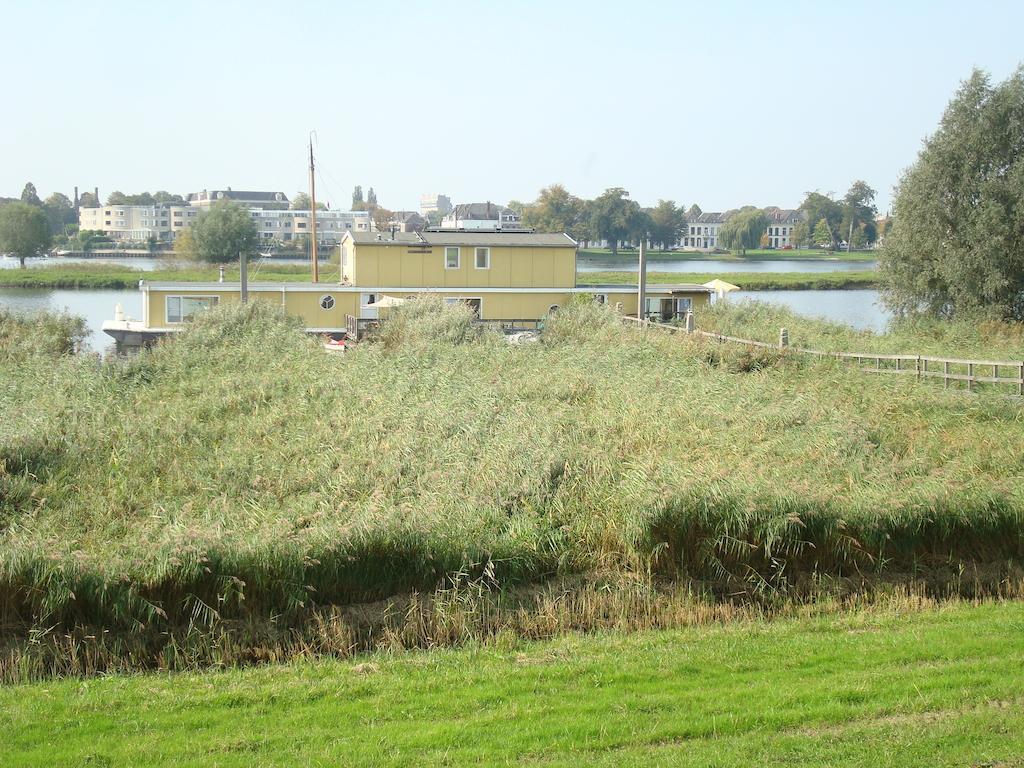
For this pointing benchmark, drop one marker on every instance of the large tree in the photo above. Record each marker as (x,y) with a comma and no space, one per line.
(555,210)
(30,196)
(613,216)
(223,232)
(88,200)
(817,206)
(667,223)
(24,230)
(859,211)
(957,239)
(60,213)
(743,229)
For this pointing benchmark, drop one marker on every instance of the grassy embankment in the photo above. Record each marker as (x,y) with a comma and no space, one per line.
(882,687)
(757,254)
(118,277)
(159,511)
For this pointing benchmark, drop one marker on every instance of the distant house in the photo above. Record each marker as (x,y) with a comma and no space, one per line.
(781,223)
(407,221)
(481,216)
(702,232)
(264,200)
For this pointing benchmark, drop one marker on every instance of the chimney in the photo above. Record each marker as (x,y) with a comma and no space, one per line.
(393,228)
(96,193)
(76,198)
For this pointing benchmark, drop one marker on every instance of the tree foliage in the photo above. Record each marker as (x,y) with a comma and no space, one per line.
(859,213)
(555,210)
(88,200)
(743,229)
(614,217)
(666,224)
(303,202)
(957,239)
(223,232)
(817,207)
(60,213)
(30,196)
(24,230)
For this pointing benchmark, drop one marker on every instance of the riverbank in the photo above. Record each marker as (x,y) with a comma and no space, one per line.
(902,684)
(98,276)
(748,281)
(751,255)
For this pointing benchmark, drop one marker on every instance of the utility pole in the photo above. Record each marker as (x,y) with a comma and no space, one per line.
(849,240)
(243,275)
(641,299)
(312,216)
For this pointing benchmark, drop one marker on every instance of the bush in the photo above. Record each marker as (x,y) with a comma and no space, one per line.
(45,333)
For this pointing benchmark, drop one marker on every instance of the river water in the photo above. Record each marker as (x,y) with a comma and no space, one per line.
(144,263)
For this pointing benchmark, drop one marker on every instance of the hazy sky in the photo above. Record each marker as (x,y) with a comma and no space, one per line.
(718,103)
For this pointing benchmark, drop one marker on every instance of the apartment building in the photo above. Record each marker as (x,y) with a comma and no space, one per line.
(138,223)
(781,223)
(292,225)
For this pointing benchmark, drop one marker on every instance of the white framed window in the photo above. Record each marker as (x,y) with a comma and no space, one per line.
(482,258)
(181,309)
(327,301)
(451,257)
(475,303)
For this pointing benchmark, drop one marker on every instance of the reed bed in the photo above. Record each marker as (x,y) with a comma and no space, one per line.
(239,476)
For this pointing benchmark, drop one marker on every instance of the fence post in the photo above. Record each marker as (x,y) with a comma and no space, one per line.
(970,377)
(918,361)
(945,374)
(690,322)
(1020,379)
(783,338)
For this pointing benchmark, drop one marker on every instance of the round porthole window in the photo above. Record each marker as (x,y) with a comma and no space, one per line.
(326,301)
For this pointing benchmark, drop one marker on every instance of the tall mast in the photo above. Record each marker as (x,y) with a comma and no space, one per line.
(312,215)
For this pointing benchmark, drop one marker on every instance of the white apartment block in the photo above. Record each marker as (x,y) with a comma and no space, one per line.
(137,222)
(702,233)
(488,216)
(164,222)
(291,225)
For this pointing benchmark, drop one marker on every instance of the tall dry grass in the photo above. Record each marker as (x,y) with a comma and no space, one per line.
(238,473)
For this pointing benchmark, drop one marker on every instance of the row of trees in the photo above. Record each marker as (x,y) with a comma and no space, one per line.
(614,217)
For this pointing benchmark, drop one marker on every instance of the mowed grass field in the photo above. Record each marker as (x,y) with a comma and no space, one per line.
(895,685)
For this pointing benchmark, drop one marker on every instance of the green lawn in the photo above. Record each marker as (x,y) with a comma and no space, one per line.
(120,277)
(882,687)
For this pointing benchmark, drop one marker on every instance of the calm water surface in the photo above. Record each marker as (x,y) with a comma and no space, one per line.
(859,309)
(144,263)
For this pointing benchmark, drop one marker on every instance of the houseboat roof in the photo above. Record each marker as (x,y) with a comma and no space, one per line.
(258,287)
(495,239)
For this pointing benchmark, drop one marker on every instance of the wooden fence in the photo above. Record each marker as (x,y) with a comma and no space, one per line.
(949,369)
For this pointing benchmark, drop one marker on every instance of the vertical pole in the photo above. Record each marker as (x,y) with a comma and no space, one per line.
(641,306)
(945,374)
(970,376)
(918,367)
(783,338)
(1020,379)
(312,216)
(244,276)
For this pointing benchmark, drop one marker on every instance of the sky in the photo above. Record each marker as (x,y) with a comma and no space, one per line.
(721,104)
